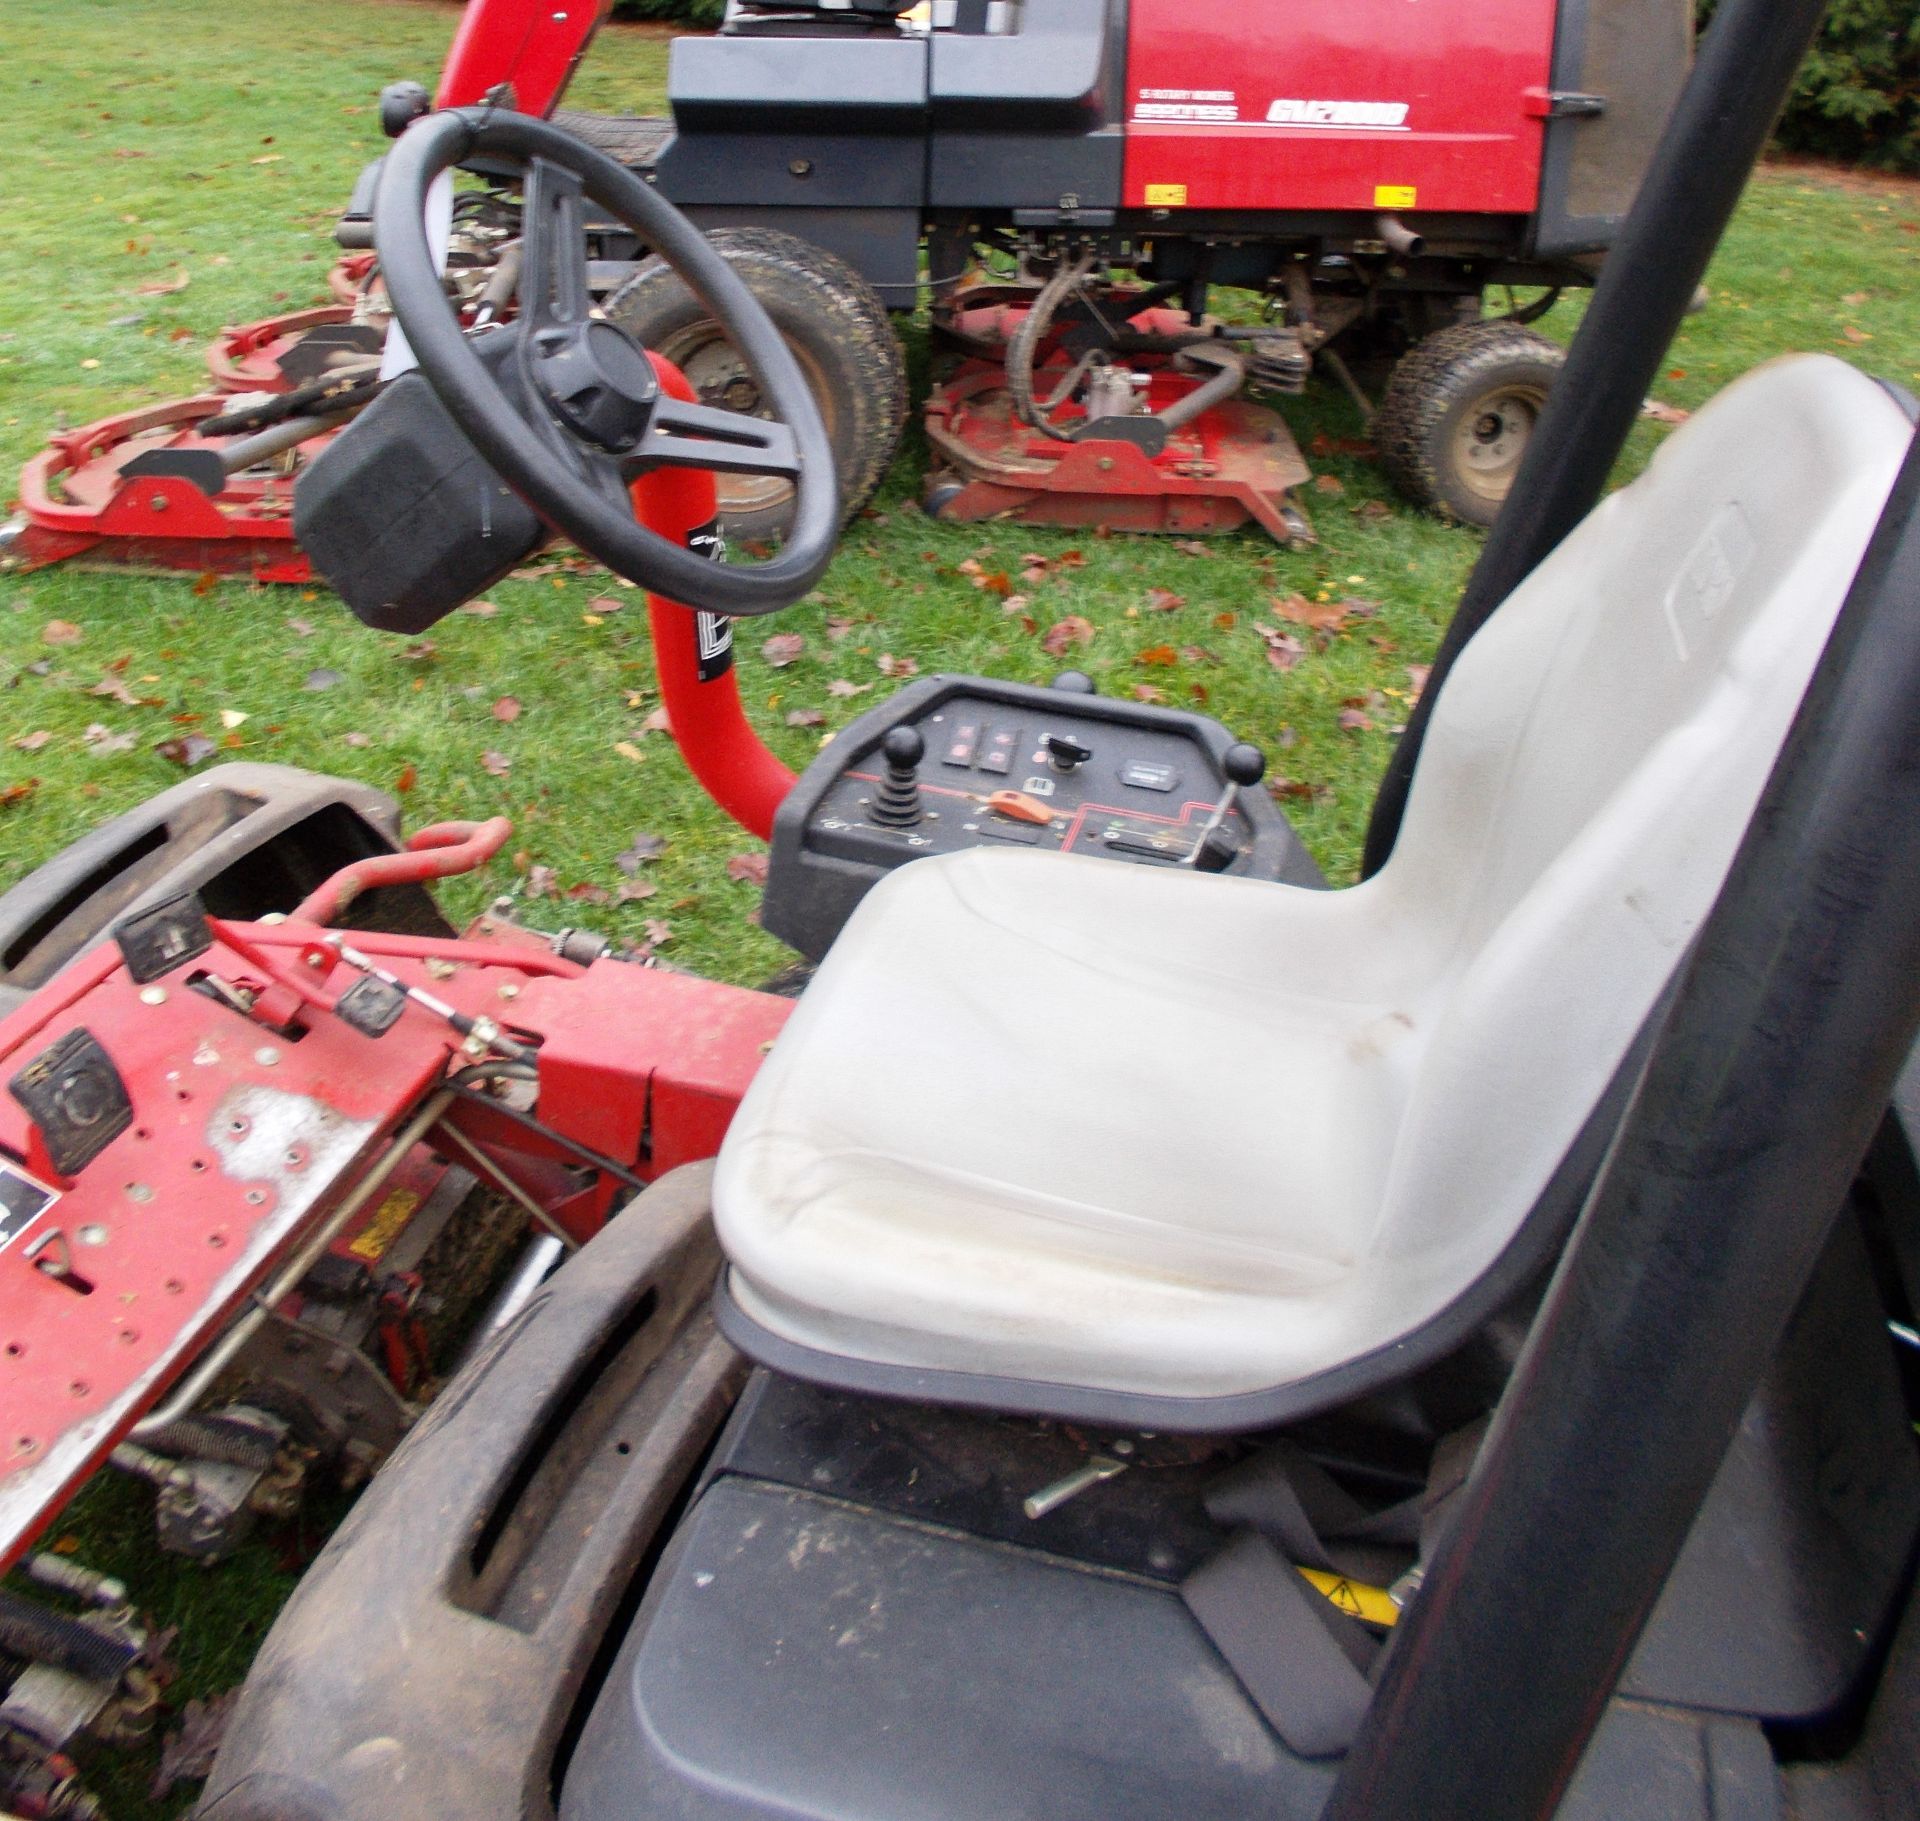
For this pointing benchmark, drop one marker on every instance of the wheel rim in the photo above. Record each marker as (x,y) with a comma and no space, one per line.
(721,378)
(1492,436)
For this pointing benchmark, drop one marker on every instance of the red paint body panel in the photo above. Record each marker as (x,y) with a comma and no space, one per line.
(1243,104)
(626,1035)
(534,44)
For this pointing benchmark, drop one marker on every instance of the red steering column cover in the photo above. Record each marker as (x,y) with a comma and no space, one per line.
(709,724)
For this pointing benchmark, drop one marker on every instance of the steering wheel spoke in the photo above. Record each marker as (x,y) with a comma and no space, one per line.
(553,259)
(681,435)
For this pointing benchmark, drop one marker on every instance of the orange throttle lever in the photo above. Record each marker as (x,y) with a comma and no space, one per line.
(1017,806)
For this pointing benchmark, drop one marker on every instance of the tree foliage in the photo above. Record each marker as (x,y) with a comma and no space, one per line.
(1858,97)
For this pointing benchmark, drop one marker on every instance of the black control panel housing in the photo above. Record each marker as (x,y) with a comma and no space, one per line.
(1116,780)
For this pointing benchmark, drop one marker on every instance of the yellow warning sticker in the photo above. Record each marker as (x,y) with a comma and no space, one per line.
(1166,195)
(1395,196)
(1373,1605)
(372,1241)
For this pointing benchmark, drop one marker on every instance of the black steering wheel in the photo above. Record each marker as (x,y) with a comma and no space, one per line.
(574,411)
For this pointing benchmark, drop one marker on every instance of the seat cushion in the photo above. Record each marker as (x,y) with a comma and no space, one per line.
(1052,1116)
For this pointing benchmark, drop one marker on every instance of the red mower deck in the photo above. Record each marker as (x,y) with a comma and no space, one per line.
(84,498)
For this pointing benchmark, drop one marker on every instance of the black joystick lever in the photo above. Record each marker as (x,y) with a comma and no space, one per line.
(1216,848)
(896,804)
(1065,752)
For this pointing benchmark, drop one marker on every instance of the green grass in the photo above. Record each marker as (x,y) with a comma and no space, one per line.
(149,138)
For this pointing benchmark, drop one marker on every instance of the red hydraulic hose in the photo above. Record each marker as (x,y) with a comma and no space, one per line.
(701,694)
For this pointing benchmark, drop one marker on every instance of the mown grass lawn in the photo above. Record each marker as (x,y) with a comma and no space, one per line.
(150,140)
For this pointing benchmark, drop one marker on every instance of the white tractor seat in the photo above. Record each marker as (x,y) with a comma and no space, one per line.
(1095,1138)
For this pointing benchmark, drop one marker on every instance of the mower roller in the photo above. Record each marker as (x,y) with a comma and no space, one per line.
(1145,1332)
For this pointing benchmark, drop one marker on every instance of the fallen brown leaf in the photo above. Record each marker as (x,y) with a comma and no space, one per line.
(645,848)
(1283,649)
(60,632)
(163,287)
(1162,656)
(805,717)
(841,688)
(782,649)
(408,778)
(481,610)
(18,792)
(1063,635)
(507,708)
(890,666)
(495,764)
(188,1753)
(1164,600)
(188,750)
(31,742)
(748,869)
(631,890)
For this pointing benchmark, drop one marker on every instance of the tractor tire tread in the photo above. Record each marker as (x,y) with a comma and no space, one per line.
(815,296)
(1426,387)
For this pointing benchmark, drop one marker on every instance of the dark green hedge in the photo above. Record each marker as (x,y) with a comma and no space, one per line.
(689,12)
(1859,96)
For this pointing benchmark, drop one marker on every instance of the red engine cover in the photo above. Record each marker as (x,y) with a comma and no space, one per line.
(1369,104)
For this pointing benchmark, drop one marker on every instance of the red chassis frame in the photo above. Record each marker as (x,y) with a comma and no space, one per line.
(251,1130)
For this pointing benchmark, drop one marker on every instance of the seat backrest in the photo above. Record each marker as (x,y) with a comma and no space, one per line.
(1591,765)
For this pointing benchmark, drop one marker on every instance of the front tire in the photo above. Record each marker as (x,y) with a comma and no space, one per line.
(838,330)
(1458,412)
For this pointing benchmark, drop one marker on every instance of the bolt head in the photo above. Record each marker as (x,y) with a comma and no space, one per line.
(153,995)
(266,1055)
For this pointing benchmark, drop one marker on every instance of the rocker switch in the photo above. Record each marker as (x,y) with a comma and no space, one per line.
(960,744)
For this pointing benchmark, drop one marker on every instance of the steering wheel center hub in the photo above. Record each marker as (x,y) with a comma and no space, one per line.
(597,381)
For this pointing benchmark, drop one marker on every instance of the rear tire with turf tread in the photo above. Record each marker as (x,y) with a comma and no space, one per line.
(838,330)
(1458,410)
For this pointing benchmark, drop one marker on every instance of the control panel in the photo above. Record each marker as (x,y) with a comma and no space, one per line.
(953,762)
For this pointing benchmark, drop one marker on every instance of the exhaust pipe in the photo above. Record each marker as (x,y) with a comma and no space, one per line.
(1399,237)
